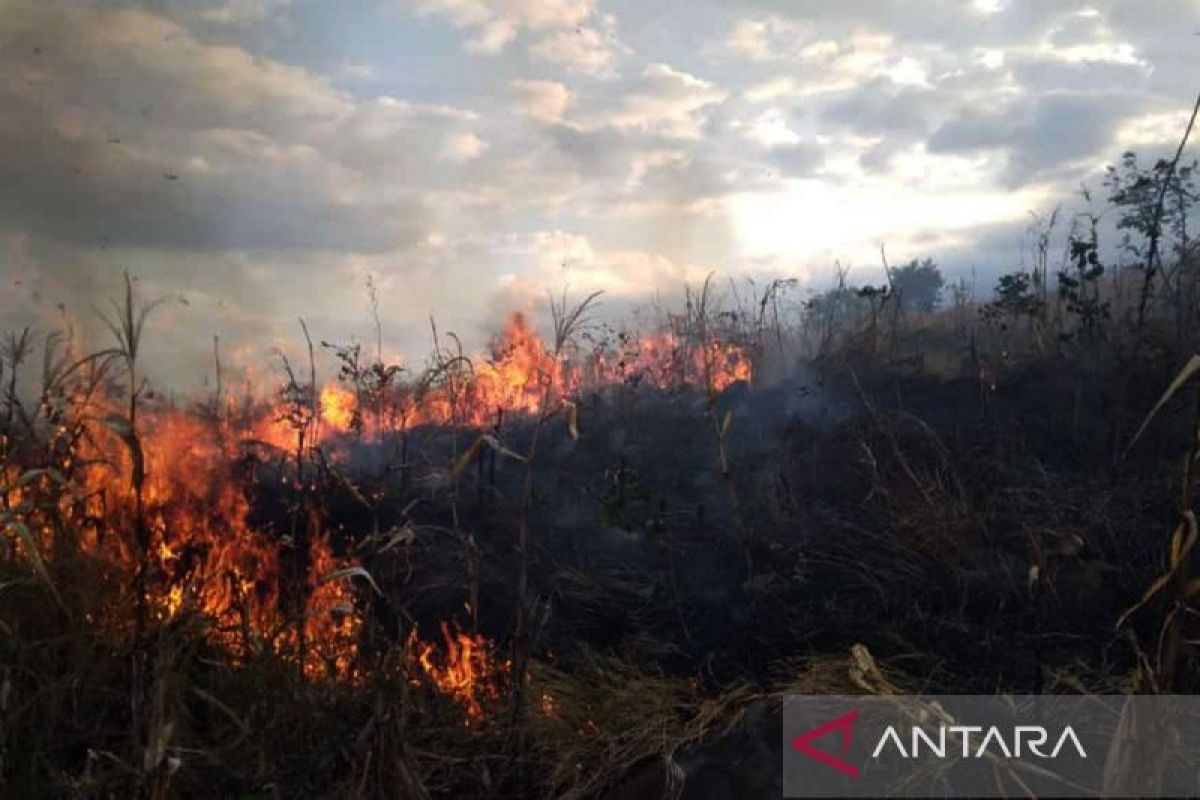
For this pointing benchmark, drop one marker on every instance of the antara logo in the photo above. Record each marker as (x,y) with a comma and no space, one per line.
(843,724)
(1023,740)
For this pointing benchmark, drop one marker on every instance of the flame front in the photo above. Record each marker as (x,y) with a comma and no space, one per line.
(518,374)
(522,375)
(260,583)
(205,555)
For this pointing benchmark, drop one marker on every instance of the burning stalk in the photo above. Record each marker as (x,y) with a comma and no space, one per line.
(455,371)
(57,423)
(16,350)
(720,422)
(126,324)
(568,321)
(301,412)
(150,731)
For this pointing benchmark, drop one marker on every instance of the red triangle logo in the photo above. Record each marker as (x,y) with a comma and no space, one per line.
(845,724)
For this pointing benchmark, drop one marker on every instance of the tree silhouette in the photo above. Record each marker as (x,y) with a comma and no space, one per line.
(918,285)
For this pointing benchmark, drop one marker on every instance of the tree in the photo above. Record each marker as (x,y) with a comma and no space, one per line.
(1136,191)
(918,285)
(1015,297)
(1079,287)
(1153,204)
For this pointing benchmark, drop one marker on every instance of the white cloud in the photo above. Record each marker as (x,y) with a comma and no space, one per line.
(568,32)
(464,147)
(544,101)
(173,143)
(664,101)
(1154,130)
(772,89)
(556,257)
(587,49)
(767,39)
(492,38)
(243,12)
(770,129)
(811,64)
(988,6)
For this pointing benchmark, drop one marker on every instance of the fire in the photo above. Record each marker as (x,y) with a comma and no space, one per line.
(337,407)
(666,361)
(204,554)
(521,374)
(466,670)
(264,585)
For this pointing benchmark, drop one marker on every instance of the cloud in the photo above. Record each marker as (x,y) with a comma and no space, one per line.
(588,50)
(242,12)
(814,65)
(1061,133)
(565,33)
(262,155)
(799,160)
(773,38)
(544,101)
(131,130)
(556,257)
(769,128)
(911,20)
(1039,91)
(882,107)
(536,15)
(492,38)
(130,65)
(1077,76)
(463,147)
(663,100)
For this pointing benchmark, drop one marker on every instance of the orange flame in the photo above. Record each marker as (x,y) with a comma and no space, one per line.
(522,374)
(337,407)
(206,556)
(519,372)
(466,669)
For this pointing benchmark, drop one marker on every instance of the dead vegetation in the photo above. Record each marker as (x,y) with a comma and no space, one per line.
(546,570)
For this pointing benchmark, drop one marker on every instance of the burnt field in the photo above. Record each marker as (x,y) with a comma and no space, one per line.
(599,400)
(556,567)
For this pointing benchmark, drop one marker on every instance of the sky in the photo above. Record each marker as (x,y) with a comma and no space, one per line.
(251,162)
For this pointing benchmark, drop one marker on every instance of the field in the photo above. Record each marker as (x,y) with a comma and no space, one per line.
(588,564)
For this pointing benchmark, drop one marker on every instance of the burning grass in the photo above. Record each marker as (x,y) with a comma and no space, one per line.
(584,565)
(176,539)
